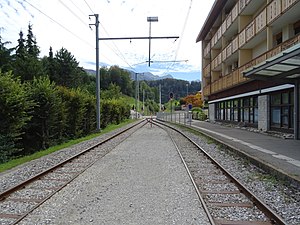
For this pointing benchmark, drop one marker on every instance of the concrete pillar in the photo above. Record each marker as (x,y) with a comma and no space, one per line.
(263,113)
(212,112)
(297,110)
(269,38)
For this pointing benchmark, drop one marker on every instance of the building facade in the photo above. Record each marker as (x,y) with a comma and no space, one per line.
(251,63)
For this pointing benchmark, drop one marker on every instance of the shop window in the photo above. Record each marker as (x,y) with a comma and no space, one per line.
(238,110)
(282,110)
(275,118)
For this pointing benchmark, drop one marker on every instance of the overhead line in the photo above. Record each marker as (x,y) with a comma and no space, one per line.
(73,13)
(89,6)
(182,34)
(120,55)
(84,14)
(59,24)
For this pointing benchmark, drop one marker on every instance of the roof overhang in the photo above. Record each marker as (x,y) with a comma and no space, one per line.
(211,18)
(283,67)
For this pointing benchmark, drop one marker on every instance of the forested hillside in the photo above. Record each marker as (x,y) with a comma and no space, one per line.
(179,88)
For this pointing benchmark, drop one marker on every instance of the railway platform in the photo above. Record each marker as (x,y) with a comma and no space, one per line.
(278,155)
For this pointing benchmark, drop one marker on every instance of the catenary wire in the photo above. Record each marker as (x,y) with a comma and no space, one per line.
(74,14)
(116,51)
(180,40)
(59,24)
(80,10)
(89,6)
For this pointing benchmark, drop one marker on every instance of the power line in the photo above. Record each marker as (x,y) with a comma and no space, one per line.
(120,55)
(58,23)
(89,6)
(73,13)
(182,34)
(83,14)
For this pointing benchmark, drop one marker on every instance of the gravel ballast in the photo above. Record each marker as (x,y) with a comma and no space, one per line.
(142,181)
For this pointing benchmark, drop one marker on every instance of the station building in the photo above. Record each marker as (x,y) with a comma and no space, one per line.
(251,63)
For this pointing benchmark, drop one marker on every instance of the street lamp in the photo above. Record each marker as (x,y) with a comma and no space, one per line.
(151,19)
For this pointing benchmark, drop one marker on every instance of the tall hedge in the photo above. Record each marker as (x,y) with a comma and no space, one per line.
(48,120)
(114,111)
(14,108)
(80,111)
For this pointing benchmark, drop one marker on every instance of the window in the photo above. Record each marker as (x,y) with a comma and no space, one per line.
(238,110)
(282,110)
(297,27)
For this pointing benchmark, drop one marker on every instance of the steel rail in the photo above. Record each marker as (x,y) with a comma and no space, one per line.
(271,214)
(23,184)
(209,216)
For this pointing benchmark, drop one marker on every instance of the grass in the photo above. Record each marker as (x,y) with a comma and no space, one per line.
(16,162)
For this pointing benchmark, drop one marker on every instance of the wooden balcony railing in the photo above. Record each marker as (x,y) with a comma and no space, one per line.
(206,71)
(250,31)
(259,23)
(236,77)
(273,10)
(287,4)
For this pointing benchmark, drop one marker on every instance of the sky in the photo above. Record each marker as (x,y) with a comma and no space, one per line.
(65,23)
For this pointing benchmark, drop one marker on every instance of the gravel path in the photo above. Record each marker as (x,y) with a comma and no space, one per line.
(137,183)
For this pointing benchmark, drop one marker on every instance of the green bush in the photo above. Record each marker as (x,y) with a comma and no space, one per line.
(14,108)
(48,120)
(114,111)
(198,114)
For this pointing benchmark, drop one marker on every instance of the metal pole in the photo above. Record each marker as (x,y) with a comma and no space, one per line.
(187,89)
(136,93)
(138,88)
(143,99)
(160,97)
(97,72)
(171,109)
(149,43)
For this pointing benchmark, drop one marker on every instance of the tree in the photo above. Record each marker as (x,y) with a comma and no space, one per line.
(31,44)
(27,64)
(5,56)
(195,100)
(48,121)
(20,49)
(14,114)
(113,92)
(67,72)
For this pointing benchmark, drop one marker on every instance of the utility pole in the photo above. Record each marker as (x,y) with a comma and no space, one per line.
(143,99)
(96,24)
(136,95)
(159,97)
(151,19)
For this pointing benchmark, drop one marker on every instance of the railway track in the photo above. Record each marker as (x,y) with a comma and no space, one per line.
(18,201)
(225,199)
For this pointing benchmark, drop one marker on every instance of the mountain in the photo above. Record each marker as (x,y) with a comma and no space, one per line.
(142,76)
(91,72)
(148,76)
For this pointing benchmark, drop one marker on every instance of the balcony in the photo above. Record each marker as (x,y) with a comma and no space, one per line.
(236,77)
(206,71)
(206,51)
(275,12)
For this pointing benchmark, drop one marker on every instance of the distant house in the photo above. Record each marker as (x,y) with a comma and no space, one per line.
(251,63)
